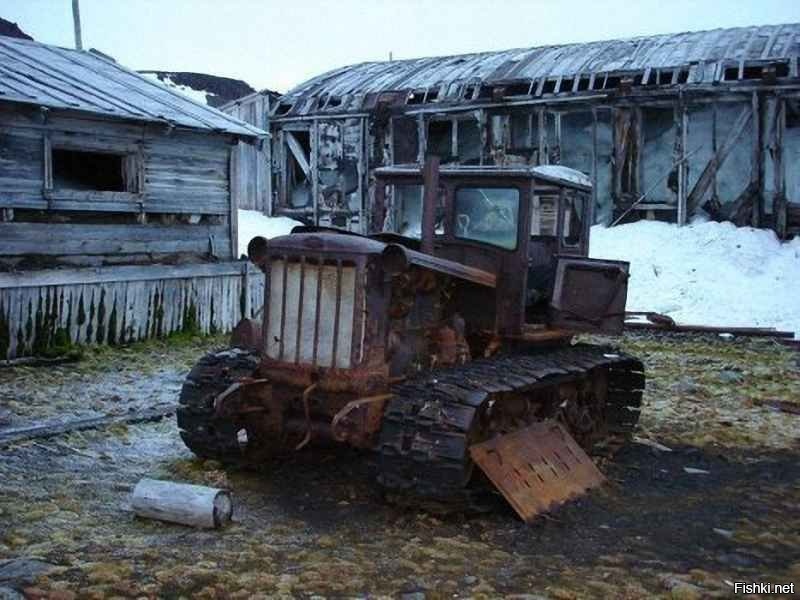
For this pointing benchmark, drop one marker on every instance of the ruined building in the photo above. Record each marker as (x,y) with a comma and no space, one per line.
(678,123)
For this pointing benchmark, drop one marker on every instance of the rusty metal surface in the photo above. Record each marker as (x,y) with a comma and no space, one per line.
(399,258)
(590,294)
(537,468)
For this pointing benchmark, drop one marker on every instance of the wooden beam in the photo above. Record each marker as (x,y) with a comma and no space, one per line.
(757,165)
(708,174)
(683,167)
(299,154)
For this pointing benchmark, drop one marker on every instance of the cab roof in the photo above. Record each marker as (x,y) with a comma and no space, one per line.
(558,174)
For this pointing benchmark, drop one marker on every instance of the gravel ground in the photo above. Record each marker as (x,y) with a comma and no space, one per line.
(316,525)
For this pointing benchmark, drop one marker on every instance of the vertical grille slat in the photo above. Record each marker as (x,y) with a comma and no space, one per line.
(317,310)
(338,308)
(303,297)
(283,307)
(298,338)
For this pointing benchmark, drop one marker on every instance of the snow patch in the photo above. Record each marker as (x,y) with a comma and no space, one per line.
(563,173)
(707,273)
(253,223)
(200,96)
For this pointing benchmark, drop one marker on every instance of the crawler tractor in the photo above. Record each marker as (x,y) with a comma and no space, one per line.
(430,342)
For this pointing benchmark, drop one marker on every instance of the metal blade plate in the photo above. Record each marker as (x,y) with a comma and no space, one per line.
(537,468)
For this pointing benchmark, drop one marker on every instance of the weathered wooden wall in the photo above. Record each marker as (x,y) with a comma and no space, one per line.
(251,173)
(722,151)
(54,309)
(182,204)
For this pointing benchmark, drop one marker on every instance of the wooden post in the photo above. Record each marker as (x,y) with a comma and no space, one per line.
(234,189)
(429,202)
(193,505)
(313,169)
(683,167)
(757,168)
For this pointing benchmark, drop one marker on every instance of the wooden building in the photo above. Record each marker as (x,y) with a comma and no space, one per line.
(253,160)
(117,202)
(669,125)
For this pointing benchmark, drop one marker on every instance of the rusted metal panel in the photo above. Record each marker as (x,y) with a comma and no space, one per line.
(537,468)
(590,294)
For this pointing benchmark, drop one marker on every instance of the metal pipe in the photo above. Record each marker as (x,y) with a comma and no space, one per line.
(307,414)
(76,21)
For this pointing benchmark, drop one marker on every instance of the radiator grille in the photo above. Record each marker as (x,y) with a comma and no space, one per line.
(311,313)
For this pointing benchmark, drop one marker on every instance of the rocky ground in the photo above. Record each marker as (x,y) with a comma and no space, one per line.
(316,525)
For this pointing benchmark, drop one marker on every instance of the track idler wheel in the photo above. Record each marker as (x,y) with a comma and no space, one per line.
(205,433)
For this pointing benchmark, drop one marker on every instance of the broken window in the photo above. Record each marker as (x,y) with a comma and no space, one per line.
(440,140)
(298,168)
(524,137)
(405,140)
(87,170)
(407,210)
(469,142)
(791,149)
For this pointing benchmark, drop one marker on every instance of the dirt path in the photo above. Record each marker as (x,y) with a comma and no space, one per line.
(317,525)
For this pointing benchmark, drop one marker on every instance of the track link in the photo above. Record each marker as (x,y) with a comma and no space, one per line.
(433,419)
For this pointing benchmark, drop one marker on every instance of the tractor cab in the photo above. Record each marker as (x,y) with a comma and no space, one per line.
(529,226)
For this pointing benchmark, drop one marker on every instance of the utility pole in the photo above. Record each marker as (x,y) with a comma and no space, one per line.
(76,18)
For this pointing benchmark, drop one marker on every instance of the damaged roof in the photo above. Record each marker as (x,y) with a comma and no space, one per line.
(700,57)
(61,78)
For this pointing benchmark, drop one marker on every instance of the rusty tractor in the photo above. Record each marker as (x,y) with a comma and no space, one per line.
(442,342)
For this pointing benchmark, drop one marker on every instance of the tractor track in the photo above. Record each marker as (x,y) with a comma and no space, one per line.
(424,443)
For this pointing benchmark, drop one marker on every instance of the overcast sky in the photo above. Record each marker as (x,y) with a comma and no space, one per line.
(278,44)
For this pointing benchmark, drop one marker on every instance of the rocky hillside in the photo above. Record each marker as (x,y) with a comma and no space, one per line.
(210,89)
(10,29)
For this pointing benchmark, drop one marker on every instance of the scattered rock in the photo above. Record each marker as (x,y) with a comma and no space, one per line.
(686,591)
(7,593)
(723,532)
(18,571)
(470,579)
(730,376)
(685,385)
(680,589)
(693,471)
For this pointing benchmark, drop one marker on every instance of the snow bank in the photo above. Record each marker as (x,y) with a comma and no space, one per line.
(707,273)
(253,223)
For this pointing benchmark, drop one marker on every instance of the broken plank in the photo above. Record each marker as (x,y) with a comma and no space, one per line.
(22,434)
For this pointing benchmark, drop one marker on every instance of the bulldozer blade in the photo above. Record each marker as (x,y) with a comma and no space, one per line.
(537,468)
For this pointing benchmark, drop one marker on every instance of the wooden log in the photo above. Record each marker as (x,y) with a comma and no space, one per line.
(193,505)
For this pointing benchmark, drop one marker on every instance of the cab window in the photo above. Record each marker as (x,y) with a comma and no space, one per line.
(544,216)
(487,214)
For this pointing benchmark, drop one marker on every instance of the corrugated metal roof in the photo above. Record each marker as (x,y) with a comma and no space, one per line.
(697,54)
(54,77)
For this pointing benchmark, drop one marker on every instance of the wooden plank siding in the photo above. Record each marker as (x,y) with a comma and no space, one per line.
(252,178)
(182,173)
(122,304)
